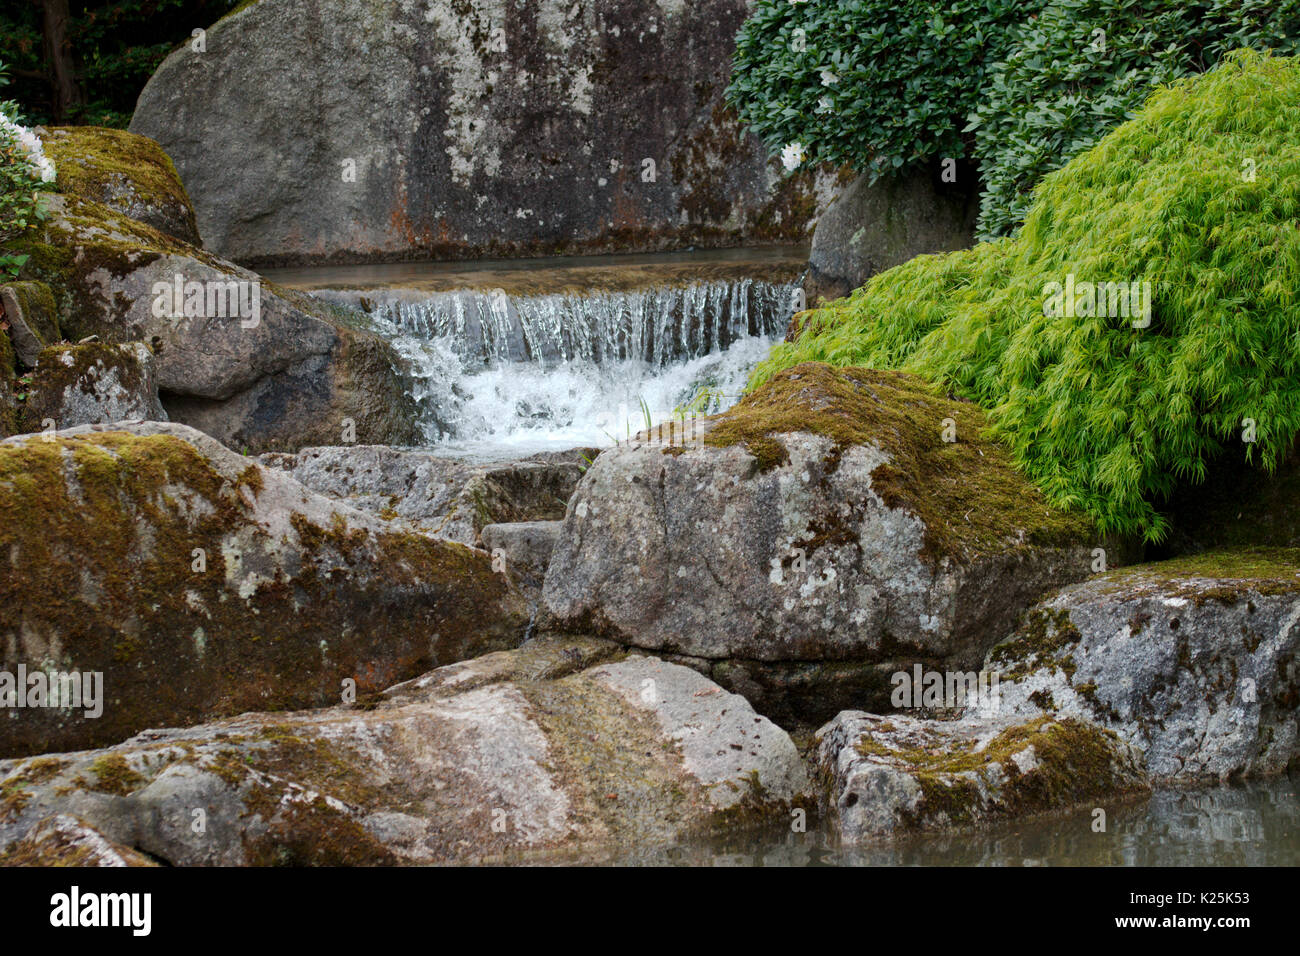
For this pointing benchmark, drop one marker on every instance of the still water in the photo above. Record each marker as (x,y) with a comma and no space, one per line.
(1256,823)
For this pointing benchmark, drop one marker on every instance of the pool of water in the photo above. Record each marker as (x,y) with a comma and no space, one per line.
(1254,823)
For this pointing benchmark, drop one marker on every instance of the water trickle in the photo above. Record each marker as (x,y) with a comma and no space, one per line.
(515,373)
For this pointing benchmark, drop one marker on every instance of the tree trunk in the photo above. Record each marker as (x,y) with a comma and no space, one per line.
(66,95)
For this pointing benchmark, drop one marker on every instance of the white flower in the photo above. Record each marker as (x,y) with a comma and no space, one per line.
(792,156)
(41,166)
(829,78)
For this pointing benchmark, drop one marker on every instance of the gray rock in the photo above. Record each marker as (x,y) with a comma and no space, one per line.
(759,758)
(93,384)
(520,752)
(892,546)
(253,365)
(894,773)
(1196,661)
(525,545)
(197,584)
(33,320)
(443,497)
(871,228)
(451,129)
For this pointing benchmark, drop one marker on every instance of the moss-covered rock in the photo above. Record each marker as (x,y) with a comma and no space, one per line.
(1195,661)
(8,379)
(255,366)
(200,584)
(126,172)
(894,773)
(832,516)
(32,318)
(63,840)
(556,747)
(91,384)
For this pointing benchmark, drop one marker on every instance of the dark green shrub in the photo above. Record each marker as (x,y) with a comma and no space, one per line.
(875,84)
(1082,67)
(1199,195)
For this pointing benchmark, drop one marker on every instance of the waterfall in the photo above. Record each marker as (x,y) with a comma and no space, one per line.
(571,369)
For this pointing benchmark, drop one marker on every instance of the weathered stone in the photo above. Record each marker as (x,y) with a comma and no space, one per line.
(824,518)
(1195,661)
(443,497)
(92,384)
(524,549)
(871,228)
(126,172)
(201,584)
(521,752)
(898,773)
(33,320)
(469,129)
(62,840)
(255,366)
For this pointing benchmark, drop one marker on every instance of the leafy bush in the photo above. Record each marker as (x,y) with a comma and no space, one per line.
(1199,195)
(876,84)
(1084,66)
(24,172)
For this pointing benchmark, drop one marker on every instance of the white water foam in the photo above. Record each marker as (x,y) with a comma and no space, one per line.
(496,376)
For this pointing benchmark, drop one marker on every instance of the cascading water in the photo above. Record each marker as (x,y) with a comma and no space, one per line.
(507,374)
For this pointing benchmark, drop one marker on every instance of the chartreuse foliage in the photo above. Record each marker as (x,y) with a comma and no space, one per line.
(1081,67)
(1199,194)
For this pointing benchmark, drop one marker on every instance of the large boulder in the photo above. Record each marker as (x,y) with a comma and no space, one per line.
(255,366)
(1195,661)
(553,748)
(873,227)
(469,128)
(443,497)
(893,773)
(824,520)
(196,583)
(92,384)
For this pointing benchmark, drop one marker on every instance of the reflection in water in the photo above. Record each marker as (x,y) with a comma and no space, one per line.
(1245,824)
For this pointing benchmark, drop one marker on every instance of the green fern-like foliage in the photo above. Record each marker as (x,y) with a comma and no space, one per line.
(1199,195)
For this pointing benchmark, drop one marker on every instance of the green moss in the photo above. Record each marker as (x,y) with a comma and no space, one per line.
(1075,761)
(101,164)
(968,494)
(114,775)
(1039,640)
(147,503)
(35,302)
